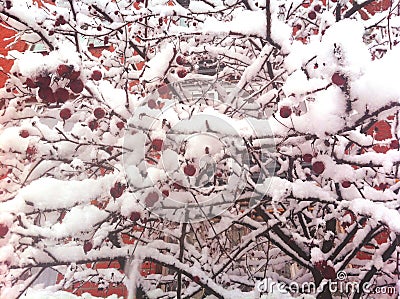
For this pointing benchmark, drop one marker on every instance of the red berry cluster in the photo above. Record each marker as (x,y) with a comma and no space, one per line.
(181,72)
(61,94)
(60,21)
(181,60)
(99,113)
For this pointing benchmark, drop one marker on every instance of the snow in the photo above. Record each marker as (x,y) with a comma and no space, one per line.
(297,83)
(255,21)
(376,210)
(58,197)
(52,193)
(158,65)
(32,293)
(354,55)
(31,64)
(316,255)
(379,76)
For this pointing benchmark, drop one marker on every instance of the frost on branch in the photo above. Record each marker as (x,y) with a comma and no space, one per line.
(90,171)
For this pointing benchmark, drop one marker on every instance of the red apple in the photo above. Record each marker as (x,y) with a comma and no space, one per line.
(157,144)
(99,112)
(43,81)
(93,125)
(346,184)
(135,216)
(182,73)
(63,70)
(46,94)
(120,125)
(96,75)
(312,15)
(285,111)
(3,230)
(65,113)
(61,20)
(318,167)
(394,144)
(61,95)
(114,192)
(74,75)
(87,246)
(8,4)
(317,8)
(327,271)
(338,79)
(180,60)
(24,133)
(307,158)
(30,83)
(76,85)
(383,186)
(117,190)
(189,170)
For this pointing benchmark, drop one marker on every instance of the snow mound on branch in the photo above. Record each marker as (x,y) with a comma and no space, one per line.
(157,67)
(31,64)
(377,211)
(347,51)
(45,294)
(255,24)
(379,84)
(52,193)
